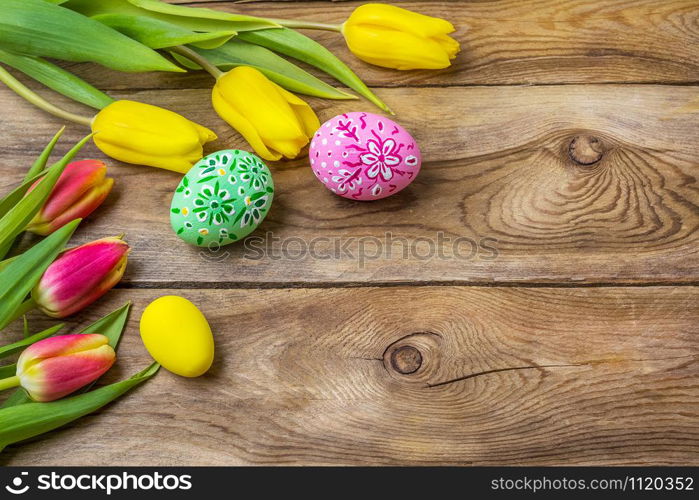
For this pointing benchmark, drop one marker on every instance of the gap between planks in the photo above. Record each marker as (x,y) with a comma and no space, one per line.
(244,285)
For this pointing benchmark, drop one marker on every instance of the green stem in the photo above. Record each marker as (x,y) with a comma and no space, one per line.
(23,309)
(200,60)
(307,25)
(39,101)
(9,382)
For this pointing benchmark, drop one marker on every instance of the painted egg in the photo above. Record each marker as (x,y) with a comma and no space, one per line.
(363,156)
(222,199)
(177,335)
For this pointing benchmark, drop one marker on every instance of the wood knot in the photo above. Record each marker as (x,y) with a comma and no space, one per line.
(585,150)
(406,359)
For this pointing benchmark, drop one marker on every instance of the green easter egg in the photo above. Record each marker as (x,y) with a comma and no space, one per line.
(222,199)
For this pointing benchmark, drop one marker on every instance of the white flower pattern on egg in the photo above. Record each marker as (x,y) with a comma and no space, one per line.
(368,156)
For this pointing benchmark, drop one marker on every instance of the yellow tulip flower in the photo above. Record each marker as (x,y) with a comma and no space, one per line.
(392,37)
(275,122)
(134,132)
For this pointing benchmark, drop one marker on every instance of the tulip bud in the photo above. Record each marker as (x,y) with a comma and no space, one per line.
(80,276)
(139,133)
(392,37)
(54,367)
(275,122)
(80,189)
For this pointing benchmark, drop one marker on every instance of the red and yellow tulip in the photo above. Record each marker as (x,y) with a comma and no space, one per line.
(80,276)
(80,189)
(57,366)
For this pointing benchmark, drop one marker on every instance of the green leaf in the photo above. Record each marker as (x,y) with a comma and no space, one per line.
(17,217)
(279,70)
(35,171)
(20,276)
(158,34)
(6,262)
(293,44)
(111,326)
(10,200)
(56,78)
(191,18)
(21,422)
(40,163)
(8,371)
(39,28)
(9,349)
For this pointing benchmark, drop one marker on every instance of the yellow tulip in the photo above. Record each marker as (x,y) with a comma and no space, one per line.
(397,38)
(143,134)
(275,122)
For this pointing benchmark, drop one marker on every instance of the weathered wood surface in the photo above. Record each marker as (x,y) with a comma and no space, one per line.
(508,376)
(513,42)
(587,182)
(498,171)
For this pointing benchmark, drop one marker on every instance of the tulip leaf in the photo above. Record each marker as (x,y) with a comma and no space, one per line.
(40,163)
(56,78)
(8,371)
(39,28)
(17,217)
(32,175)
(111,326)
(293,44)
(21,422)
(191,18)
(6,262)
(19,277)
(11,199)
(279,70)
(9,349)
(158,34)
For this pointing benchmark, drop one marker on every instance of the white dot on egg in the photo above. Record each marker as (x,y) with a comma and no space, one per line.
(313,144)
(337,143)
(325,179)
(324,141)
(336,163)
(323,164)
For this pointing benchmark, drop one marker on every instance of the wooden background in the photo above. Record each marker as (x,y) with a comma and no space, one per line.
(575,344)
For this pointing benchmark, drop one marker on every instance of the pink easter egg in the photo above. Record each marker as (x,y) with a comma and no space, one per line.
(363,156)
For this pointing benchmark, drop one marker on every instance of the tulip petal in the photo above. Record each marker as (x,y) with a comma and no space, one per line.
(242,125)
(303,111)
(450,45)
(55,377)
(399,19)
(60,345)
(76,179)
(80,276)
(139,133)
(81,208)
(395,49)
(275,122)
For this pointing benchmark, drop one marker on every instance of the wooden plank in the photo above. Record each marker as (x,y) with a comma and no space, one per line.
(498,165)
(505,42)
(508,376)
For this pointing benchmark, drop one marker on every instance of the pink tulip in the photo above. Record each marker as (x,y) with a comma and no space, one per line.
(80,189)
(56,366)
(80,276)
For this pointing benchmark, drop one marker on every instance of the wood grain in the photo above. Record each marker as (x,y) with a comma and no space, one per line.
(547,354)
(504,42)
(508,376)
(498,171)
